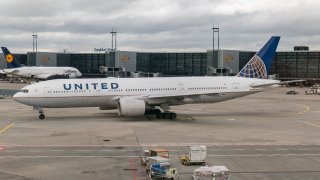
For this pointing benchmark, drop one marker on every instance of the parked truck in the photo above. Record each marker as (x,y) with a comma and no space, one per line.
(196,155)
(152,153)
(163,171)
(156,160)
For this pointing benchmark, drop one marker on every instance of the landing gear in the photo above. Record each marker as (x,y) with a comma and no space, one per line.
(161,115)
(41,116)
(170,115)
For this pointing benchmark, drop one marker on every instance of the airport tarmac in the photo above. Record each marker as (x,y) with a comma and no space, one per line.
(269,135)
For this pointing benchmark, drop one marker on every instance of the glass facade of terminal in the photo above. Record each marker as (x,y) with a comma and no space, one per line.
(293,64)
(173,64)
(86,63)
(297,64)
(290,65)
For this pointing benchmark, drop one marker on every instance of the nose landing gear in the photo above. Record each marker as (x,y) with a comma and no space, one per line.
(41,116)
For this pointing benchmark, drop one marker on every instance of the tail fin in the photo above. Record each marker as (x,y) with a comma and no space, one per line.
(259,65)
(9,58)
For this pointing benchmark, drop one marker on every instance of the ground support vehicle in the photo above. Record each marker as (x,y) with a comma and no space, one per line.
(196,155)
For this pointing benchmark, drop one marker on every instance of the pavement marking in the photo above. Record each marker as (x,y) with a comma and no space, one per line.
(6,128)
(106,150)
(312,124)
(35,151)
(305,149)
(307,109)
(81,150)
(175,156)
(260,155)
(57,150)
(281,149)
(217,146)
(33,157)
(260,149)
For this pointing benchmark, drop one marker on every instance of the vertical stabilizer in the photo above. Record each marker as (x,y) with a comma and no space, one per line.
(260,63)
(9,58)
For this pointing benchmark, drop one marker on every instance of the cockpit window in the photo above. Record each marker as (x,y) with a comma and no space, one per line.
(25,90)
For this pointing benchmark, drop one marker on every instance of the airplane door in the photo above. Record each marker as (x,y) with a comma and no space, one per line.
(46,91)
(181,87)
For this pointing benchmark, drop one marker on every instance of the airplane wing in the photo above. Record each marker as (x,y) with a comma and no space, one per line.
(262,85)
(166,99)
(42,76)
(10,71)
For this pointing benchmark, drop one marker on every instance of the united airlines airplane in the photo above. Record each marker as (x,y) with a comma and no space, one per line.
(39,73)
(141,96)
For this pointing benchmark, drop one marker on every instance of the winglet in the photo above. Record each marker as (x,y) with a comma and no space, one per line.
(9,58)
(259,65)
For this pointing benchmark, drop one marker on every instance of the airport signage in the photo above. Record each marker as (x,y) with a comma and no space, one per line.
(100,49)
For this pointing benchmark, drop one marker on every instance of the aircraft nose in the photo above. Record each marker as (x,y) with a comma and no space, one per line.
(79,74)
(17,96)
(20,94)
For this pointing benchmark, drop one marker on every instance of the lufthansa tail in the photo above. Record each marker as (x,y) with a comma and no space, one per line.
(260,63)
(9,58)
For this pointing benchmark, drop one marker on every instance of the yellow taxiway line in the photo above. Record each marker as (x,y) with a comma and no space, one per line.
(6,128)
(306,109)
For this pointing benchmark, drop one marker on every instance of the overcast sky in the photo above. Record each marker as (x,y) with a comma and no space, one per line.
(157,25)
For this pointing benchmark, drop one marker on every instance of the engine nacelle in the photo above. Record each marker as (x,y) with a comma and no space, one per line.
(131,107)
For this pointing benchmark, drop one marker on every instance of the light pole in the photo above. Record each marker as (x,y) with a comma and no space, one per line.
(114,36)
(215,30)
(35,42)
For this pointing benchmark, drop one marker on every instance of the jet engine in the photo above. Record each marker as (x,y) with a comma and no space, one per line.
(131,107)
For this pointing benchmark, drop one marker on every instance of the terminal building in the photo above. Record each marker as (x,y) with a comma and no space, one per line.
(300,63)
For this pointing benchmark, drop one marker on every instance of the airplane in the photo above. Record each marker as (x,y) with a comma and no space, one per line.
(145,96)
(34,72)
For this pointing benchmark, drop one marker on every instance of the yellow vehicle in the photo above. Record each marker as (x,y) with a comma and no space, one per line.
(197,155)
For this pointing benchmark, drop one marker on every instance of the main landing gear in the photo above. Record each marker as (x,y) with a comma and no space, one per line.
(41,115)
(162,115)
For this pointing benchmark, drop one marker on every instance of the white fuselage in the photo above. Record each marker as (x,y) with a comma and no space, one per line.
(105,92)
(43,72)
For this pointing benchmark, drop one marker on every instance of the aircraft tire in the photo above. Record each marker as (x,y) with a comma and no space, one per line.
(158,113)
(42,116)
(172,116)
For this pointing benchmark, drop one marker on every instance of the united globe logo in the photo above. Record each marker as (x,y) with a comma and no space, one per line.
(255,68)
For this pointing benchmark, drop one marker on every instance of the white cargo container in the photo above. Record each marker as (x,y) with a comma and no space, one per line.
(197,155)
(213,172)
